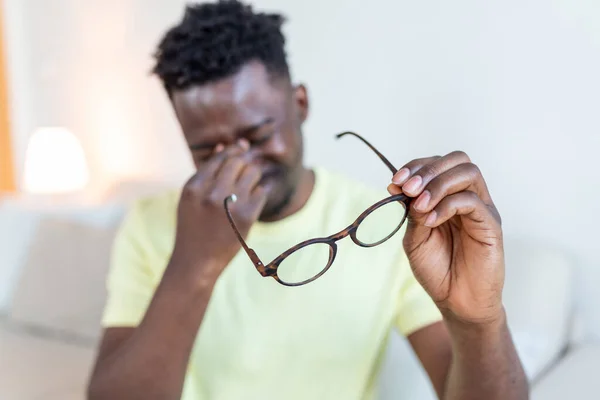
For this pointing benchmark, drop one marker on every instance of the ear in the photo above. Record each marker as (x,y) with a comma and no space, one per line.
(301,97)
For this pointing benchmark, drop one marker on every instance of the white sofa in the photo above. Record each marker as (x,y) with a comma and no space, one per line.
(52,265)
(56,261)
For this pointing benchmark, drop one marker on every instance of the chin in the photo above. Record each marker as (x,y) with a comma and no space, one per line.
(276,204)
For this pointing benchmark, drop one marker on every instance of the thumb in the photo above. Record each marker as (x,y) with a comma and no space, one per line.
(416,231)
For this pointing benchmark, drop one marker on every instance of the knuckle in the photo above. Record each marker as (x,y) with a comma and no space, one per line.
(496,214)
(419,162)
(498,217)
(216,198)
(429,170)
(461,155)
(471,196)
(473,169)
(191,189)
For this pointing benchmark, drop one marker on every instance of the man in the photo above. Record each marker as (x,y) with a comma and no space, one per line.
(189,317)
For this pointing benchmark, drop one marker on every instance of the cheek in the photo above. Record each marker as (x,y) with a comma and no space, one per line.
(278,146)
(286,147)
(196,162)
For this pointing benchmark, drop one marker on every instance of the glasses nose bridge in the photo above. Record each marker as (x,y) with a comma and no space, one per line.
(343,234)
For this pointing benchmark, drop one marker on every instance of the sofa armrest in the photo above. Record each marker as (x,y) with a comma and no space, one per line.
(573,377)
(538,300)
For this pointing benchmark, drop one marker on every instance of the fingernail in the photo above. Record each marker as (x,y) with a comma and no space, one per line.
(413,184)
(423,201)
(393,189)
(430,221)
(244,144)
(401,176)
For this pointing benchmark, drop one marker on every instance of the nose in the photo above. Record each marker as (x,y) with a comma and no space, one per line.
(276,146)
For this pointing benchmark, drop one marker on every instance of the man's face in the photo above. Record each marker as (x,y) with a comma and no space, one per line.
(250,105)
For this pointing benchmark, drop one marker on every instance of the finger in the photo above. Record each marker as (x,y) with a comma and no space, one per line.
(218,161)
(416,231)
(249,210)
(415,185)
(394,189)
(231,169)
(204,177)
(411,168)
(258,200)
(477,215)
(226,178)
(249,178)
(462,177)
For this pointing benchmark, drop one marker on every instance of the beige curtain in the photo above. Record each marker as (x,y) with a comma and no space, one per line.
(7,180)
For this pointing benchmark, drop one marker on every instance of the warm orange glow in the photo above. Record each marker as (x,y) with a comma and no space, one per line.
(7,178)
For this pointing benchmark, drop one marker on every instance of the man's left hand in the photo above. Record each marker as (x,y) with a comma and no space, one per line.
(454,236)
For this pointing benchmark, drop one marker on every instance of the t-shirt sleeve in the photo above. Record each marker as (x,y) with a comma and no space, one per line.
(415,308)
(129,283)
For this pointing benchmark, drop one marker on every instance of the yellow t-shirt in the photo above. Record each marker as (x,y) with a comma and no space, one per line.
(262,340)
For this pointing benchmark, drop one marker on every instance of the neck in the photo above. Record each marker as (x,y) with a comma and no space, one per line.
(299,198)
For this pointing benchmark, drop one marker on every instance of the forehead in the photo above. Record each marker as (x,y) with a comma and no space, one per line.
(244,98)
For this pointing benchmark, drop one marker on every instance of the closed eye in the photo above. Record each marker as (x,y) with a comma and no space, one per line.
(259,141)
(203,155)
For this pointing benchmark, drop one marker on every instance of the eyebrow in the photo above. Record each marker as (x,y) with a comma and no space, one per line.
(241,133)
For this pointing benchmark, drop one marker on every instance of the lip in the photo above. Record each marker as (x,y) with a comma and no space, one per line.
(271,174)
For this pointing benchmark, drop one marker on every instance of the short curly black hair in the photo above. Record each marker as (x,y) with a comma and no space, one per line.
(214,40)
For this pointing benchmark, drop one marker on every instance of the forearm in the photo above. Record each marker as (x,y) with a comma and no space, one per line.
(152,363)
(485,364)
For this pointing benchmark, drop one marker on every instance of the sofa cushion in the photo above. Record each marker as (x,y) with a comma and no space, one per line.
(62,284)
(574,377)
(33,368)
(538,298)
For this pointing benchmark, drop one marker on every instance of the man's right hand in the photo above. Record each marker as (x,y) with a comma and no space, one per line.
(204,240)
(132,361)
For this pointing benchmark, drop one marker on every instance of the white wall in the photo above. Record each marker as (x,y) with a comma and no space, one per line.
(85,65)
(513,83)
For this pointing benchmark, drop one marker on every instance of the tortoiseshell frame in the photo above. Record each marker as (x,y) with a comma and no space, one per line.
(271,268)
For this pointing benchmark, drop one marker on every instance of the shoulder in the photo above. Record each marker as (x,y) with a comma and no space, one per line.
(159,205)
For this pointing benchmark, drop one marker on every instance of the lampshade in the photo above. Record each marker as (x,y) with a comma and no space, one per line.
(54,162)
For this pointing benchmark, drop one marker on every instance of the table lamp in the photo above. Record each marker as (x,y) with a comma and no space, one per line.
(55,163)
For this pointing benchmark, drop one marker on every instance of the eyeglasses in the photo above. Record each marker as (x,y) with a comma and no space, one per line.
(297,267)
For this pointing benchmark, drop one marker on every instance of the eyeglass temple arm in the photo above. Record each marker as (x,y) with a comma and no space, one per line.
(251,253)
(381,156)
